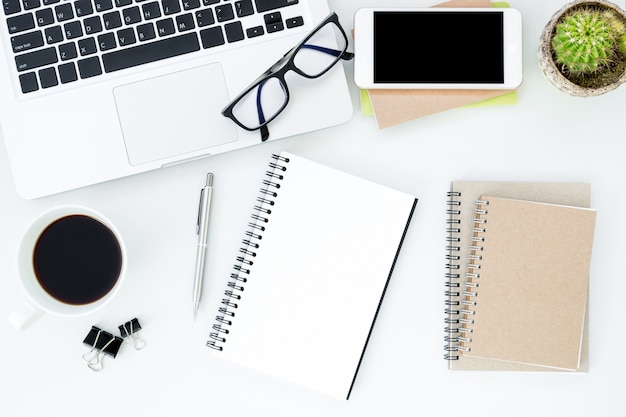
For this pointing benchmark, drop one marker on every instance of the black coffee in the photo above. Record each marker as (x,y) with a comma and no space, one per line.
(77,259)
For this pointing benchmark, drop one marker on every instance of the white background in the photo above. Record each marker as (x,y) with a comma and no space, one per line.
(546,136)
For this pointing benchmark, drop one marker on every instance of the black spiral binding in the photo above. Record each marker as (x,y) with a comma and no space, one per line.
(251,244)
(453,276)
(461,297)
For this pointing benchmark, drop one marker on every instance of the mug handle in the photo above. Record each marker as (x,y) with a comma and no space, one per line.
(24,315)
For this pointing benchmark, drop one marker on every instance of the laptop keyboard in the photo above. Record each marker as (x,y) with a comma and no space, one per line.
(58,42)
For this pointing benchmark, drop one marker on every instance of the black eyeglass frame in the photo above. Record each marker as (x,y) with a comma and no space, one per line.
(280,68)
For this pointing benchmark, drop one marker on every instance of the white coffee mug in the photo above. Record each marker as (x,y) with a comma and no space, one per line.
(68,241)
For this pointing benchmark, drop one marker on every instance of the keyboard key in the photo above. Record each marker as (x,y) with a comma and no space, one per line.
(209,2)
(234,31)
(266,5)
(294,22)
(106,41)
(28,82)
(48,77)
(67,51)
(151,10)
(20,23)
(87,46)
(131,15)
(185,22)
(145,32)
(67,73)
(103,5)
(92,25)
(112,20)
(31,4)
(27,41)
(150,52)
(36,59)
(255,31)
(274,17)
(64,12)
(274,27)
(224,12)
(11,6)
(191,4)
(212,37)
(44,17)
(170,7)
(89,67)
(53,34)
(244,8)
(165,27)
(73,29)
(83,8)
(205,17)
(126,37)
(122,3)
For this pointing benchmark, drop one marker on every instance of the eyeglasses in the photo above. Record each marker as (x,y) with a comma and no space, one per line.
(266,97)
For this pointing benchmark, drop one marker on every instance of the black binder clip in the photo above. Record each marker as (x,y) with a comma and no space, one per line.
(129,331)
(101,343)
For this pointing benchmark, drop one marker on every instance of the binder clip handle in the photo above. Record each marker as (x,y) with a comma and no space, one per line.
(129,332)
(101,343)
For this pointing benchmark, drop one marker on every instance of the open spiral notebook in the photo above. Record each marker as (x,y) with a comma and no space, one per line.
(311,274)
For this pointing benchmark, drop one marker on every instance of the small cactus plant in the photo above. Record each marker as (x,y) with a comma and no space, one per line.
(588,40)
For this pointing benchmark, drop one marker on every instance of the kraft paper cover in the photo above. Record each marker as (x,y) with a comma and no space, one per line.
(534,277)
(571,194)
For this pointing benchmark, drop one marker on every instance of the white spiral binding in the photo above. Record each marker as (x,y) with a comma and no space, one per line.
(251,244)
(461,296)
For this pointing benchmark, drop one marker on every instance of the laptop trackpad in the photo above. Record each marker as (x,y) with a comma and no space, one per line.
(174,114)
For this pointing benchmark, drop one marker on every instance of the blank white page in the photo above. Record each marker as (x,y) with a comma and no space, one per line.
(318,276)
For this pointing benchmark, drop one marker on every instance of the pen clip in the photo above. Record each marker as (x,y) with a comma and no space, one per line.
(199,211)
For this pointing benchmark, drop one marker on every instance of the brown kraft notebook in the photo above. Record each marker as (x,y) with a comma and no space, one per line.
(517,296)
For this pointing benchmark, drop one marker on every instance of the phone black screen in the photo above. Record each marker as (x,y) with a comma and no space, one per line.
(438,47)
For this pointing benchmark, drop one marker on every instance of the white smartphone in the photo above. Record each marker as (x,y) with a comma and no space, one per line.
(438,48)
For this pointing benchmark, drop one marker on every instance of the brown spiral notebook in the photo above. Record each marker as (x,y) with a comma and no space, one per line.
(518,274)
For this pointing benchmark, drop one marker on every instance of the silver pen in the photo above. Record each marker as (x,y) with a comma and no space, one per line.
(202,228)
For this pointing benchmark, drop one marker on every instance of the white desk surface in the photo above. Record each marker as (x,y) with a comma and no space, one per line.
(546,136)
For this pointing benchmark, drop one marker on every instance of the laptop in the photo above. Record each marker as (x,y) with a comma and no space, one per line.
(94,90)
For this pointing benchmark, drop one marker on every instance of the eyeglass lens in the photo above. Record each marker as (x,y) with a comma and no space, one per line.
(321,51)
(268,98)
(261,103)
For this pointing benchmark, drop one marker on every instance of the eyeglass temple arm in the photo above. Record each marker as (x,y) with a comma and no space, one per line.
(334,52)
(265,132)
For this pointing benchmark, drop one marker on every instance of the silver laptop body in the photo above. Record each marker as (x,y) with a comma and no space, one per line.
(70,121)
